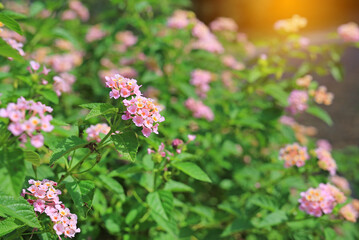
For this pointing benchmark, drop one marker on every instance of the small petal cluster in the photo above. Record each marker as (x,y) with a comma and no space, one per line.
(223,24)
(27,119)
(126,39)
(326,161)
(205,39)
(297,101)
(231,62)
(290,25)
(304,81)
(341,183)
(201,79)
(64,62)
(179,20)
(77,9)
(144,113)
(93,132)
(95,33)
(45,198)
(286,120)
(199,109)
(349,32)
(293,155)
(321,96)
(325,144)
(63,83)
(349,212)
(321,200)
(122,87)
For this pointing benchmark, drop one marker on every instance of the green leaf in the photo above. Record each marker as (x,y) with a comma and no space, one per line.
(12,171)
(192,170)
(277,93)
(321,114)
(337,72)
(8,225)
(65,146)
(10,23)
(239,224)
(174,186)
(7,51)
(169,226)
(97,109)
(114,186)
(329,233)
(19,208)
(82,194)
(126,143)
(161,202)
(36,7)
(50,95)
(32,157)
(264,202)
(272,219)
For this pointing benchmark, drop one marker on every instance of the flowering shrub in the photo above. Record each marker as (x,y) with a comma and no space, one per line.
(230,157)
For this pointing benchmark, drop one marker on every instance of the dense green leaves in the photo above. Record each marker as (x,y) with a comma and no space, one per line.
(192,170)
(18,208)
(8,225)
(126,143)
(65,146)
(97,109)
(12,171)
(82,194)
(113,186)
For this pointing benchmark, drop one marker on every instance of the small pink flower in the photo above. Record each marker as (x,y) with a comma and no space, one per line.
(146,131)
(34,65)
(37,141)
(138,121)
(59,228)
(191,137)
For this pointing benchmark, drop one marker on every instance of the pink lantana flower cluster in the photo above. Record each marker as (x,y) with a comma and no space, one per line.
(201,79)
(199,109)
(143,111)
(290,25)
(93,132)
(126,39)
(223,24)
(316,201)
(342,183)
(95,33)
(63,83)
(304,81)
(349,212)
(231,62)
(179,20)
(293,154)
(326,161)
(77,9)
(206,40)
(45,199)
(322,96)
(27,119)
(297,101)
(349,32)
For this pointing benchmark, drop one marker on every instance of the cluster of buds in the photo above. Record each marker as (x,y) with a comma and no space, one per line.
(201,79)
(122,87)
(27,119)
(350,212)
(321,96)
(199,109)
(316,201)
(93,132)
(349,32)
(326,161)
(290,25)
(304,81)
(45,199)
(297,101)
(293,154)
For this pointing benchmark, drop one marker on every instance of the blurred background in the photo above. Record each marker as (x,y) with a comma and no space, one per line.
(256,18)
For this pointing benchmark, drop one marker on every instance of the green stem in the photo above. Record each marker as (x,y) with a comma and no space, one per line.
(76,166)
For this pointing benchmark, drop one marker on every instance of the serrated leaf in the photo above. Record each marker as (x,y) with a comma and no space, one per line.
(12,171)
(8,225)
(239,224)
(114,186)
(161,202)
(10,23)
(7,51)
(65,146)
(126,143)
(321,114)
(82,194)
(192,170)
(19,208)
(50,95)
(32,157)
(174,186)
(272,219)
(97,109)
